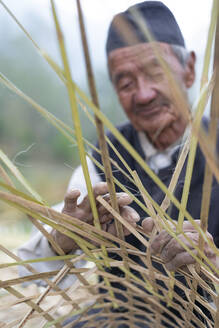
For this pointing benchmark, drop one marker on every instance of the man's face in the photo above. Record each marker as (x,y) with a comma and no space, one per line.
(144,91)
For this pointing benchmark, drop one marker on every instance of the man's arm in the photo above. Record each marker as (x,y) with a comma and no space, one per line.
(38,246)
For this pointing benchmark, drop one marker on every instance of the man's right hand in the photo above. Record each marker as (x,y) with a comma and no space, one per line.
(83,212)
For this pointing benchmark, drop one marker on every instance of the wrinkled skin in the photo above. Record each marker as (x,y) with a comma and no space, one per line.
(171,252)
(83,212)
(144,92)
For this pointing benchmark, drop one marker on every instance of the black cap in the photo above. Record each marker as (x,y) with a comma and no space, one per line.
(124,30)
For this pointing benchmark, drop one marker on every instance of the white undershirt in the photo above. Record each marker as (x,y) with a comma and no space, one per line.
(155,159)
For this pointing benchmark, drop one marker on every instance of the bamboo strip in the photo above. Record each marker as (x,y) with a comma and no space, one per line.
(19,176)
(30,303)
(6,177)
(100,128)
(98,122)
(213,129)
(75,116)
(76,119)
(208,177)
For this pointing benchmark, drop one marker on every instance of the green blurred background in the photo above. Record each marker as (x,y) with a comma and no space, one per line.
(40,152)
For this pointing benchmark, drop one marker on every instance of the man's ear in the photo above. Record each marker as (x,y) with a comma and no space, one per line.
(190,69)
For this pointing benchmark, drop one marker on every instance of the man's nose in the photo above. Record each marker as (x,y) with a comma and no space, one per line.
(145,92)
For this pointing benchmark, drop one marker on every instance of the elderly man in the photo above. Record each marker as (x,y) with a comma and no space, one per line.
(155,129)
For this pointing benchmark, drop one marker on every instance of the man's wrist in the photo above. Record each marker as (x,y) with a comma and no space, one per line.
(66,243)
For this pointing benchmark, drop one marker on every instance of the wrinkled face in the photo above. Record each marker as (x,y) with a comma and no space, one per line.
(144,91)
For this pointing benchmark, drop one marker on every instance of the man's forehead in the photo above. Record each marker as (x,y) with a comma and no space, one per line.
(139,52)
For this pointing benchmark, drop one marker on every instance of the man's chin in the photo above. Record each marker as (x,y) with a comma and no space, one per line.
(161,146)
(151,126)
(163,142)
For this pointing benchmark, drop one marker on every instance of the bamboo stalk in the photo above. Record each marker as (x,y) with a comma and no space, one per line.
(30,303)
(35,272)
(213,129)
(213,133)
(6,177)
(100,129)
(99,124)
(178,96)
(75,115)
(76,119)
(191,158)
(194,140)
(19,176)
(208,177)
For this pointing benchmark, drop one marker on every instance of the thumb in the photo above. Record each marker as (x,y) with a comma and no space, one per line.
(70,201)
(99,189)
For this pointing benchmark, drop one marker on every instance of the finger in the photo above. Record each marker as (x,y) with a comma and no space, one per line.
(126,232)
(108,227)
(102,210)
(112,229)
(122,198)
(105,218)
(163,238)
(187,226)
(159,242)
(148,225)
(173,247)
(99,189)
(209,252)
(180,260)
(70,201)
(129,214)
(104,226)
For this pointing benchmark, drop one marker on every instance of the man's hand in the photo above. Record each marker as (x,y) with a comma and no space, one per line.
(128,213)
(83,212)
(171,252)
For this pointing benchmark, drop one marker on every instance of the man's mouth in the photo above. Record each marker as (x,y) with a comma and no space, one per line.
(150,111)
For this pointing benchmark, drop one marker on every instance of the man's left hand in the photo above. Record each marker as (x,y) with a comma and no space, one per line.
(172,252)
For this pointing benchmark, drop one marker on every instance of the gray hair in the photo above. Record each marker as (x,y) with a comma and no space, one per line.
(181,53)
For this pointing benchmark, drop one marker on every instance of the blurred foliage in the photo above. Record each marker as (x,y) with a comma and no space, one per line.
(24,135)
(41,153)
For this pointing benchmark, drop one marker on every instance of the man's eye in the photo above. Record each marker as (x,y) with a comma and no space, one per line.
(125,85)
(159,76)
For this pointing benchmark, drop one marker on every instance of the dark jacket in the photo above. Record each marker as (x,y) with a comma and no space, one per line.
(194,197)
(195,194)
